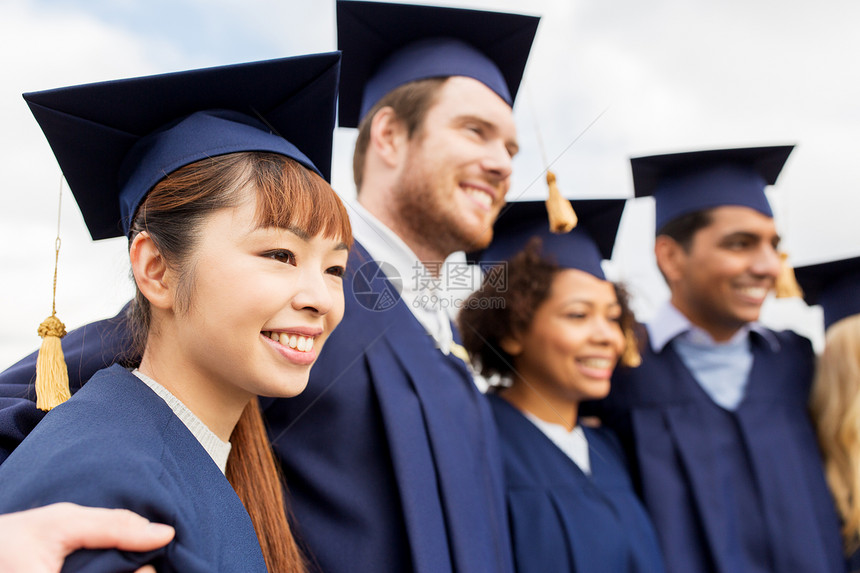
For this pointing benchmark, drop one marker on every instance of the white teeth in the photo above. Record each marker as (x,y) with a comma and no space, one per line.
(596,362)
(483,198)
(755,292)
(300,343)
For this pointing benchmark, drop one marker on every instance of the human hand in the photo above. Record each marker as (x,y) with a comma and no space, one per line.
(38,540)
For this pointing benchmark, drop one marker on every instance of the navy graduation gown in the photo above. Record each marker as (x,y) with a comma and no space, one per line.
(117,444)
(390,455)
(563,520)
(729,491)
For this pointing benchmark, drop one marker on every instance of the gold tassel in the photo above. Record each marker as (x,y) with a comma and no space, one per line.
(786,282)
(52,376)
(562,217)
(630,357)
(460,352)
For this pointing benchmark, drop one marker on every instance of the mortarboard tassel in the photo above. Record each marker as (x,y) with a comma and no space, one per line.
(52,375)
(786,282)
(562,218)
(460,352)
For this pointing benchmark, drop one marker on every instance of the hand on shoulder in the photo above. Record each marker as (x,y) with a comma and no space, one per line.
(38,540)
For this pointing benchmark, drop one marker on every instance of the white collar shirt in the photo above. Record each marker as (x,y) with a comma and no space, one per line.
(573,442)
(218,449)
(421,291)
(720,368)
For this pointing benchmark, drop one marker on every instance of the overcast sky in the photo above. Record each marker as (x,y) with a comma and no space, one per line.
(666,75)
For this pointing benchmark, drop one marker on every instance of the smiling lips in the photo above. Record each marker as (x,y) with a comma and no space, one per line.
(294,341)
(596,367)
(482,196)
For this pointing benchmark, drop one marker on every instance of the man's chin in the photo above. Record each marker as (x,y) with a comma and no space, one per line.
(478,240)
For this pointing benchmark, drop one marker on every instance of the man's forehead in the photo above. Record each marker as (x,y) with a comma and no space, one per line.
(462,97)
(729,219)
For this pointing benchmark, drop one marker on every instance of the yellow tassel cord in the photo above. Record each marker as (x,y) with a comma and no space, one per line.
(562,217)
(631,357)
(786,282)
(52,375)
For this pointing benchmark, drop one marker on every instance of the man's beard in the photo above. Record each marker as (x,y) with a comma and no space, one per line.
(429,215)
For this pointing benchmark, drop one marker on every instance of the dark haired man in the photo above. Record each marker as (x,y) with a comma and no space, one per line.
(715,419)
(390,455)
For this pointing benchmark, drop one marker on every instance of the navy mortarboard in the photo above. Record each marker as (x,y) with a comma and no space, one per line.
(387,45)
(682,183)
(583,248)
(835,285)
(115,140)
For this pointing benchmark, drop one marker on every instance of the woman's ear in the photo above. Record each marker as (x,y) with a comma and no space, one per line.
(511,345)
(150,272)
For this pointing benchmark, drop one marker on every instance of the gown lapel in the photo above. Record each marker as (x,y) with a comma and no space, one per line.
(436,423)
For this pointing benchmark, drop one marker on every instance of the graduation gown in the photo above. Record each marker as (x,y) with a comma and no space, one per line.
(563,520)
(390,454)
(87,350)
(117,444)
(729,491)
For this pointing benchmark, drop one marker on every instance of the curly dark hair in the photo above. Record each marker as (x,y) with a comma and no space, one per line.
(484,322)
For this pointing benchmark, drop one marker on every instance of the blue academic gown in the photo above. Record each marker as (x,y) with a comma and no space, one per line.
(117,444)
(562,520)
(729,491)
(87,350)
(390,454)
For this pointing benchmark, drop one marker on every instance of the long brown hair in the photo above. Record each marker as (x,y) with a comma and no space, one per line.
(288,196)
(835,405)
